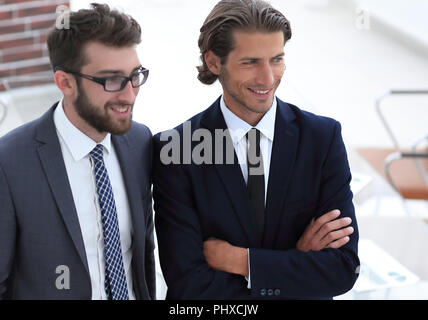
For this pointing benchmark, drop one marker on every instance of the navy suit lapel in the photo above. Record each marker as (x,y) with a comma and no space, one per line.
(53,164)
(231,177)
(283,157)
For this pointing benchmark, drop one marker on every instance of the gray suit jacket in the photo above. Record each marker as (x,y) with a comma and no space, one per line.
(39,227)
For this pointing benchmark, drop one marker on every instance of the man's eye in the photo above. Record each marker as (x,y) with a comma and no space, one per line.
(249,62)
(115,80)
(136,77)
(278,59)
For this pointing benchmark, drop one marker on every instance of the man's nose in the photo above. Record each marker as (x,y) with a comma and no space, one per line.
(129,93)
(265,75)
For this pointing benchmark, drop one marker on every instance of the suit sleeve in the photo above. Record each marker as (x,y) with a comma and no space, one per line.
(7,234)
(321,274)
(180,241)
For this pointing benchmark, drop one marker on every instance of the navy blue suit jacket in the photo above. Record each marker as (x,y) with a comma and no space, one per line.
(39,227)
(309,176)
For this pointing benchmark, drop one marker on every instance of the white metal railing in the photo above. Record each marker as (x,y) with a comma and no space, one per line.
(413,154)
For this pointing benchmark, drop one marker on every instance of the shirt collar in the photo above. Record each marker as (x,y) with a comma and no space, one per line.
(238,128)
(78,143)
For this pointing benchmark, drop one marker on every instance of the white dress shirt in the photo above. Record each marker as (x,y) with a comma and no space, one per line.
(238,129)
(75,147)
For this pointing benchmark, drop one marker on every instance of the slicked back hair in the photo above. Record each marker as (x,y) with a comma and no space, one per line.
(236,15)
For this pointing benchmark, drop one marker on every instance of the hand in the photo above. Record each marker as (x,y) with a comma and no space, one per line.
(326,232)
(221,255)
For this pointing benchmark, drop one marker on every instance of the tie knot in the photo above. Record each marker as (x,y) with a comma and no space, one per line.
(97,152)
(254,131)
(253,139)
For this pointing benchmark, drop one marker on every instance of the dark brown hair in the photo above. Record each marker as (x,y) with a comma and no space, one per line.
(230,15)
(100,24)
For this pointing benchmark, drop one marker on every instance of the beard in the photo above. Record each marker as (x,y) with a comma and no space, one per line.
(99,118)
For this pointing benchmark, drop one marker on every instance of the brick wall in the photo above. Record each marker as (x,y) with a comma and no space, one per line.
(24,57)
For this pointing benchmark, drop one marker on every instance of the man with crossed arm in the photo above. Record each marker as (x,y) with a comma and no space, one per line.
(278,222)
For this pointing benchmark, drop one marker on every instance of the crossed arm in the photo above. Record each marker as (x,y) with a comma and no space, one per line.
(325,232)
(324,260)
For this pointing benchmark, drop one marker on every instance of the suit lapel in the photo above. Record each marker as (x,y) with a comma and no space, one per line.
(53,164)
(231,176)
(123,148)
(284,151)
(123,151)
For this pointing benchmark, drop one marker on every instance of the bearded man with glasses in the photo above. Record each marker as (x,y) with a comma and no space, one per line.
(76,216)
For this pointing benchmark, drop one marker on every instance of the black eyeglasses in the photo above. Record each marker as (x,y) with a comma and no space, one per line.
(115,83)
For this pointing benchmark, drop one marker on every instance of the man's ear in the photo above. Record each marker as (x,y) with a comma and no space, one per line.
(213,62)
(65,82)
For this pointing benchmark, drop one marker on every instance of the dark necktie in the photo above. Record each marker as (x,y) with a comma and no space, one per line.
(256,178)
(115,279)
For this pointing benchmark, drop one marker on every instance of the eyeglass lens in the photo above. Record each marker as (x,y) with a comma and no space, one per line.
(118,83)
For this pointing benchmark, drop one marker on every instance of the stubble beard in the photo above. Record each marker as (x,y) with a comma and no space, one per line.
(100,119)
(224,80)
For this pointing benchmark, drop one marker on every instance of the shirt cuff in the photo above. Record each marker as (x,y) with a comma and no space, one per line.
(249,271)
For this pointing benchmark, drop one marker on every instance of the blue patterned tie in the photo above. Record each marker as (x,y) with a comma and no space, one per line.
(115,280)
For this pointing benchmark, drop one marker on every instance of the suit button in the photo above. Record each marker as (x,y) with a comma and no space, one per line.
(270,292)
(263,292)
(277,292)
